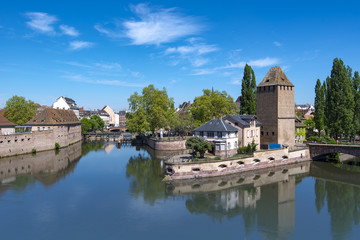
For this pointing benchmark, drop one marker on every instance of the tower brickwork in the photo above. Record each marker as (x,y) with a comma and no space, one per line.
(275,108)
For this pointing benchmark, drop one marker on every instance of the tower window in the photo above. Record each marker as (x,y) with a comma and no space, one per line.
(267,133)
(273,133)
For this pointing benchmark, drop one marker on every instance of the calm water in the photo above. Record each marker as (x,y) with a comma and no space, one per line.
(98,191)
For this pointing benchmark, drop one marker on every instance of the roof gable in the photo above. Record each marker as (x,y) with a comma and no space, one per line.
(216,125)
(4,122)
(275,76)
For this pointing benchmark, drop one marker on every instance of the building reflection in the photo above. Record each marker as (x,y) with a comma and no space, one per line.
(265,197)
(49,167)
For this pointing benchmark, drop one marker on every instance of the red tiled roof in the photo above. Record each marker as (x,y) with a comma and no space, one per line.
(3,120)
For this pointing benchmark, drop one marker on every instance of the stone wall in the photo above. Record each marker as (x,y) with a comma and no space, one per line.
(39,140)
(166,145)
(261,159)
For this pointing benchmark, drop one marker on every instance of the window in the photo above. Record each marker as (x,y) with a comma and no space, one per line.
(248,133)
(48,128)
(210,134)
(236,144)
(257,132)
(229,145)
(222,146)
(273,133)
(236,124)
(219,134)
(217,147)
(201,134)
(252,133)
(38,128)
(267,133)
(262,133)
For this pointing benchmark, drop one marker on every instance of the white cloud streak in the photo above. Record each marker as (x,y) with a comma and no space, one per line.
(77,45)
(153,26)
(263,62)
(68,30)
(278,44)
(199,72)
(41,22)
(80,78)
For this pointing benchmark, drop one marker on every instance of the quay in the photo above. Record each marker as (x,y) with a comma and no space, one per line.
(179,168)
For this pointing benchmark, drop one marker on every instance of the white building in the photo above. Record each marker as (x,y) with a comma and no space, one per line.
(221,134)
(113,117)
(66,104)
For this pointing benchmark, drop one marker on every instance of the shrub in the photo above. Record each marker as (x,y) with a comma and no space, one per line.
(57,146)
(33,150)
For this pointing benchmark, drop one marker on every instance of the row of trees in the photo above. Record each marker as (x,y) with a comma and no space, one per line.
(154,109)
(337,102)
(94,123)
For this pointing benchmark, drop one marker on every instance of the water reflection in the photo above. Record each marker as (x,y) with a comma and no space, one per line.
(49,167)
(265,197)
(146,176)
(340,189)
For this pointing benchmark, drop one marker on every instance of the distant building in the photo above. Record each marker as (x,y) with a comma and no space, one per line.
(276,108)
(248,128)
(238,103)
(183,107)
(113,117)
(66,104)
(104,116)
(122,120)
(305,109)
(300,131)
(223,135)
(6,127)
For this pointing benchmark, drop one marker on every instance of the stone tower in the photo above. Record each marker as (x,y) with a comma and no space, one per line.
(275,108)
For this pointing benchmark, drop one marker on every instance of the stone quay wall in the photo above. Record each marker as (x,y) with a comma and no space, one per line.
(261,159)
(166,145)
(40,140)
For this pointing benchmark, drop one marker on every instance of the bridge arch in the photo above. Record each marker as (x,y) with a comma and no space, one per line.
(319,150)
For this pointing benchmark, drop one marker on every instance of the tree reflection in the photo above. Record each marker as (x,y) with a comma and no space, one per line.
(91,146)
(343,203)
(146,176)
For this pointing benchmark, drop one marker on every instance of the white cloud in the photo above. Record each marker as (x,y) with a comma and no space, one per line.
(263,62)
(193,52)
(154,26)
(41,22)
(109,66)
(199,72)
(77,45)
(236,81)
(68,30)
(278,44)
(81,78)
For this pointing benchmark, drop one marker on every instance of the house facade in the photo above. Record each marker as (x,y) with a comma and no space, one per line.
(66,104)
(300,131)
(248,128)
(113,117)
(223,135)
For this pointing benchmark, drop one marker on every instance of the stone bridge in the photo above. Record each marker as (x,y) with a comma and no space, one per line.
(318,150)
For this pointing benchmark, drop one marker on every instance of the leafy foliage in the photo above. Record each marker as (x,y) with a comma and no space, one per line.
(96,122)
(250,148)
(319,117)
(198,145)
(248,92)
(150,111)
(211,104)
(85,125)
(18,110)
(183,122)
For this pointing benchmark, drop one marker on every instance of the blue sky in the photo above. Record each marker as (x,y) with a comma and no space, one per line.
(101,52)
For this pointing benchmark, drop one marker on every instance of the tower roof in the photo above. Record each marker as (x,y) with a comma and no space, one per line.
(275,76)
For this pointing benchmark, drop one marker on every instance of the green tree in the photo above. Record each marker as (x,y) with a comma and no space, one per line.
(248,92)
(211,104)
(154,107)
(310,126)
(319,106)
(96,122)
(137,122)
(339,101)
(356,91)
(198,145)
(183,122)
(85,125)
(18,110)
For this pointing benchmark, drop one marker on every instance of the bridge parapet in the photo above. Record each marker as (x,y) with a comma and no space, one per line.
(317,150)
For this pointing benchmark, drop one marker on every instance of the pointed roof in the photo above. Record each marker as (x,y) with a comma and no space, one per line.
(4,122)
(216,125)
(275,76)
(51,116)
(242,120)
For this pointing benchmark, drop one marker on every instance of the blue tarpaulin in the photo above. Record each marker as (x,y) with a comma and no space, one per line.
(274,146)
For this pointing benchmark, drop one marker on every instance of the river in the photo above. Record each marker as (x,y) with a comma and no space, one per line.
(99,191)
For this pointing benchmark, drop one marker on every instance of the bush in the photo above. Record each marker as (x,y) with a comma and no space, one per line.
(323,139)
(250,148)
(33,150)
(57,146)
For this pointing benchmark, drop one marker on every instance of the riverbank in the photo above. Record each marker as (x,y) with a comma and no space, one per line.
(260,159)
